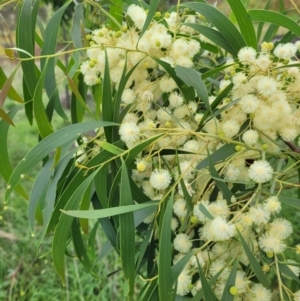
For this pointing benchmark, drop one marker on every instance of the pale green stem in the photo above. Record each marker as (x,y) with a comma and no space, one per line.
(278,169)
(104,12)
(278,277)
(248,203)
(177,18)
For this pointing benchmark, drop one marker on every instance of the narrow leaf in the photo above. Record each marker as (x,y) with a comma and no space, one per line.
(257,269)
(5,117)
(76,27)
(150,13)
(6,88)
(227,296)
(107,101)
(24,40)
(41,117)
(207,290)
(110,147)
(274,18)
(11,92)
(193,78)
(78,95)
(214,35)
(293,202)
(127,232)
(227,194)
(63,228)
(222,153)
(165,253)
(116,11)
(5,166)
(80,248)
(49,144)
(246,26)
(109,211)
(221,22)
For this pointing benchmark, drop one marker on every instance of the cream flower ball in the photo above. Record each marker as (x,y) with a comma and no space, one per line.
(160,179)
(260,171)
(129,132)
(182,243)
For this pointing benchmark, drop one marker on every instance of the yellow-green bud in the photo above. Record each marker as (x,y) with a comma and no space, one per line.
(124,28)
(157,43)
(265,268)
(168,124)
(100,34)
(117,34)
(91,43)
(264,146)
(190,286)
(286,61)
(88,37)
(238,148)
(227,100)
(167,15)
(194,219)
(91,64)
(98,81)
(270,254)
(233,290)
(158,14)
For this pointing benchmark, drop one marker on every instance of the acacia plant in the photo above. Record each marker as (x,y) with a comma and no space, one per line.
(190,145)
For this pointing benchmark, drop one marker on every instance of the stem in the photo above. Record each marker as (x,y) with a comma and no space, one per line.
(278,168)
(278,277)
(295,6)
(177,18)
(247,204)
(104,12)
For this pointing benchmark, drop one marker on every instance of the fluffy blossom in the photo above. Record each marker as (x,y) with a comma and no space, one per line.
(221,229)
(285,51)
(182,243)
(272,204)
(137,14)
(250,137)
(297,296)
(230,128)
(160,179)
(270,243)
(260,171)
(183,283)
(259,215)
(281,228)
(258,293)
(246,55)
(129,132)
(179,208)
(267,86)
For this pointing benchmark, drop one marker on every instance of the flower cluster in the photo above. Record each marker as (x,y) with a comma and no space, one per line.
(257,116)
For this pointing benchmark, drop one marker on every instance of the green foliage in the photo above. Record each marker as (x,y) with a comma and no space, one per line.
(142,89)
